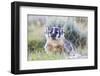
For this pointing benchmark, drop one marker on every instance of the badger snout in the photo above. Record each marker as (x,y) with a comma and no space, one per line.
(53,36)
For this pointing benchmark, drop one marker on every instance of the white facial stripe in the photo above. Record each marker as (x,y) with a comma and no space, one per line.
(54,28)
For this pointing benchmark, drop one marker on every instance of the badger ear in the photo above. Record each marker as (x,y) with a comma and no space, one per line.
(48,27)
(59,26)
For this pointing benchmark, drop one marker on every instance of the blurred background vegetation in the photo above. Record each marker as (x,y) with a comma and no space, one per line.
(75,28)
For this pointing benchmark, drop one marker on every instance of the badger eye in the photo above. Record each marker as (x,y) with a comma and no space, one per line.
(56,31)
(50,32)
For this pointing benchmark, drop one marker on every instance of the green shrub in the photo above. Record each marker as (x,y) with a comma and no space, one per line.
(35,45)
(78,38)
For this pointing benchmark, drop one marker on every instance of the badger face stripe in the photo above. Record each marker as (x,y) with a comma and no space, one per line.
(53,30)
